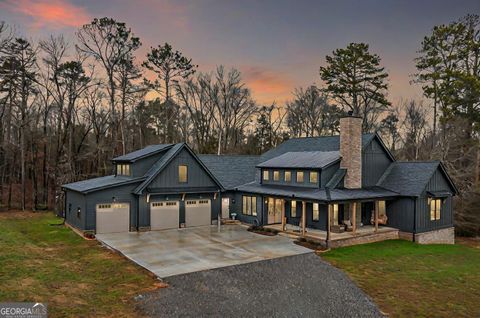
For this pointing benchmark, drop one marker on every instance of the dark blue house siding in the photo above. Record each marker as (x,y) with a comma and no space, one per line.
(236,206)
(168,177)
(375,161)
(438,182)
(400,214)
(140,167)
(122,194)
(74,201)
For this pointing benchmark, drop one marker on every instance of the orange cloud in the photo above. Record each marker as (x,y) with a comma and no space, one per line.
(267,85)
(56,13)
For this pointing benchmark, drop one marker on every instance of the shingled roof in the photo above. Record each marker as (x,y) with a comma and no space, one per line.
(95,184)
(303,159)
(231,170)
(142,153)
(323,143)
(410,178)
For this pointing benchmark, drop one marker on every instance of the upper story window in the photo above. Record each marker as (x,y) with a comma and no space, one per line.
(182,173)
(435,207)
(313,177)
(299,176)
(265,175)
(123,170)
(288,176)
(276,175)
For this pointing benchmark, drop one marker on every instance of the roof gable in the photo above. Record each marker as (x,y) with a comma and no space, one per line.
(164,161)
(411,178)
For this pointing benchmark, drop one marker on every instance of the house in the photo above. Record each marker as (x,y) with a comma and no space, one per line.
(333,184)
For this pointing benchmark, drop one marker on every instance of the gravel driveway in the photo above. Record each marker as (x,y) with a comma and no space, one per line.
(293,286)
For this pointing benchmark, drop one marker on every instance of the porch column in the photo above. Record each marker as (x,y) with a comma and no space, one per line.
(329,214)
(354,216)
(283,215)
(376,216)
(304,216)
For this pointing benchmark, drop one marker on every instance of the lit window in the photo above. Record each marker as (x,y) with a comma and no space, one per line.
(381,208)
(182,173)
(313,177)
(276,175)
(265,175)
(335,214)
(249,205)
(123,170)
(288,176)
(435,207)
(299,176)
(315,213)
(293,211)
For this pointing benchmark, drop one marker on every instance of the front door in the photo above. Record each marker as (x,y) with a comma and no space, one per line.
(225,208)
(275,210)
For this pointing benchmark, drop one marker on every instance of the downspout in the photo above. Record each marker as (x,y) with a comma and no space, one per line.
(414,220)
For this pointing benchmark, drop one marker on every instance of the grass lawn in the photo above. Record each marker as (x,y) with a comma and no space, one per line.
(44,263)
(411,280)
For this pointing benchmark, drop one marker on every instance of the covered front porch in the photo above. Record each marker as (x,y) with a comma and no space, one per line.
(340,223)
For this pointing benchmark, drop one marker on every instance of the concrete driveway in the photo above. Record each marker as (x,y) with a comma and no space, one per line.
(174,252)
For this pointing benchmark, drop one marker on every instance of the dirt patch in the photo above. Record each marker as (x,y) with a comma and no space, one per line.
(468,241)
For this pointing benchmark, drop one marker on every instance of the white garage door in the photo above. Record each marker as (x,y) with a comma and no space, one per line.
(113,217)
(197,212)
(164,215)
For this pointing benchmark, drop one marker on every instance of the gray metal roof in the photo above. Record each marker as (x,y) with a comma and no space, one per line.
(231,170)
(303,159)
(100,183)
(324,143)
(318,194)
(337,177)
(144,152)
(408,178)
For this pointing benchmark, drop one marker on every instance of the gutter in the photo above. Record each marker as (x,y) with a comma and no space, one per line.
(414,218)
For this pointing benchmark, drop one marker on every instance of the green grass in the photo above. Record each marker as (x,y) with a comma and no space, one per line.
(412,280)
(44,263)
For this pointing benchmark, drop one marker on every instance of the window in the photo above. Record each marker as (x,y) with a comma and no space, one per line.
(276,175)
(299,176)
(265,175)
(335,214)
(315,213)
(293,210)
(435,207)
(313,177)
(123,170)
(288,176)
(249,205)
(381,208)
(182,173)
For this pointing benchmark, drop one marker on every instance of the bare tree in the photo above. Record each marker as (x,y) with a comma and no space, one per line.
(109,42)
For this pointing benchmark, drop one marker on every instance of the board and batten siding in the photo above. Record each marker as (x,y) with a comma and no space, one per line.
(140,167)
(237,207)
(197,177)
(375,161)
(75,200)
(437,182)
(400,214)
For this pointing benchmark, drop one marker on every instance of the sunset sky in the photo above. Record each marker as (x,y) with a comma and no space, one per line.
(277,45)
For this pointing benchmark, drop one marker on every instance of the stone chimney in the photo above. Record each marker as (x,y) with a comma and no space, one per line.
(351,150)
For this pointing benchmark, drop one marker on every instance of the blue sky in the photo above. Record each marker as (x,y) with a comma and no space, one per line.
(278,45)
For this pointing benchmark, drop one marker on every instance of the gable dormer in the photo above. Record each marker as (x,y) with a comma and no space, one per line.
(135,164)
